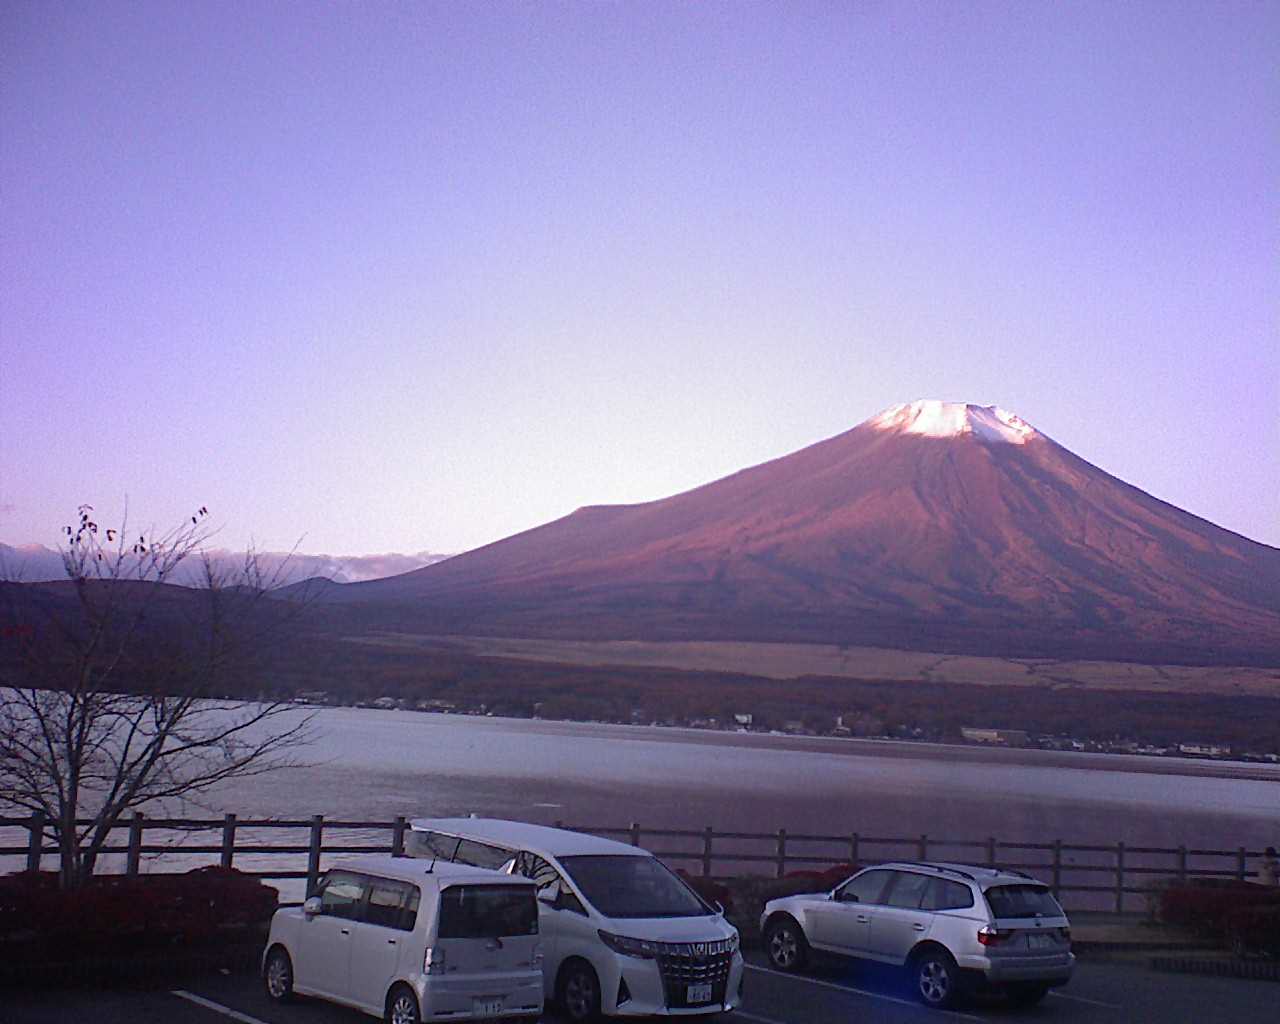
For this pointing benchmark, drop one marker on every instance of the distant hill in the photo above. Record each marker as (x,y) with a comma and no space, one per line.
(35,563)
(933,526)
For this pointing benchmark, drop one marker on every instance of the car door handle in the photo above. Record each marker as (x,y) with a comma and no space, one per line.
(918,927)
(862,919)
(391,942)
(345,931)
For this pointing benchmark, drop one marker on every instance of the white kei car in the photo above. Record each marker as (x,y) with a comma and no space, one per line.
(409,941)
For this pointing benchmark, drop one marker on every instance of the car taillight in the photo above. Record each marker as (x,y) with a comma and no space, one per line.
(433,961)
(989,936)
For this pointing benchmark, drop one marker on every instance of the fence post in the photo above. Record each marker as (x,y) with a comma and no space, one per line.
(1057,868)
(1120,877)
(35,843)
(397,836)
(1182,864)
(922,847)
(853,849)
(228,839)
(635,833)
(133,858)
(991,851)
(707,835)
(1240,864)
(313,853)
(782,852)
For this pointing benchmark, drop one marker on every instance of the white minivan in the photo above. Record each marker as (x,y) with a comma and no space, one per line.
(622,934)
(410,941)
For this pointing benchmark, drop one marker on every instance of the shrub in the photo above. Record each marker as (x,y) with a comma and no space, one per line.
(1205,904)
(747,896)
(1254,930)
(121,915)
(712,892)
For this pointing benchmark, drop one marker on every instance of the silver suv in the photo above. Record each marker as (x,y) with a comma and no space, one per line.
(955,927)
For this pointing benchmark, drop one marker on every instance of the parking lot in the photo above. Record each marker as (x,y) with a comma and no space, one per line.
(1101,993)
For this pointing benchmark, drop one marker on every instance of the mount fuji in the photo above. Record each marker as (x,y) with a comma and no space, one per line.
(932,526)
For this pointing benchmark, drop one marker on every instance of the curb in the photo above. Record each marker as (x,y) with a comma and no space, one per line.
(1252,970)
(1088,947)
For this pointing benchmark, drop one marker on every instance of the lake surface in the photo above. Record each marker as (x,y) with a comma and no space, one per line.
(373,765)
(377,764)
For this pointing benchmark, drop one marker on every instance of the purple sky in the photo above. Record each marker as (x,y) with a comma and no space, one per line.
(418,276)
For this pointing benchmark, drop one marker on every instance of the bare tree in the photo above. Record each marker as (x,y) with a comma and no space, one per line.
(119,690)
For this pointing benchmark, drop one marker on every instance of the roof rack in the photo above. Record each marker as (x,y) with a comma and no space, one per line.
(937,867)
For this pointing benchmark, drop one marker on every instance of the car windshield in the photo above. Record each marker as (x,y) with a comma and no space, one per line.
(627,886)
(487,911)
(1022,901)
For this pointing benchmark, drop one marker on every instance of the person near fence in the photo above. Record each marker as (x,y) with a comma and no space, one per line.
(1269,869)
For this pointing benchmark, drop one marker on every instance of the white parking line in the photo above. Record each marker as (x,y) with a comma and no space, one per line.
(861,992)
(209,1004)
(754,1017)
(1082,999)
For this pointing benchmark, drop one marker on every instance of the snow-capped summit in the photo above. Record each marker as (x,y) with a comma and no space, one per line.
(931,418)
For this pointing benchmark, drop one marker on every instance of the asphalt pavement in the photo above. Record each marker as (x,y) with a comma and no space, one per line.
(1100,993)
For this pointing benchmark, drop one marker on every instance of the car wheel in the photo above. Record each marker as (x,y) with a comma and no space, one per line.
(785,944)
(935,978)
(402,1006)
(278,976)
(1027,994)
(579,994)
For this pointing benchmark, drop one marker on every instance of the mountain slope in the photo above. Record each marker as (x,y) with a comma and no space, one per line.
(934,526)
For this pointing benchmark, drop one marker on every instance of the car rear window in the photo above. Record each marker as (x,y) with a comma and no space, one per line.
(907,890)
(482,855)
(1022,901)
(945,895)
(432,844)
(391,904)
(487,911)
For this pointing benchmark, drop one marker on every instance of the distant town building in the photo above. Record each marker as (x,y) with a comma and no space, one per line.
(1204,749)
(743,718)
(996,737)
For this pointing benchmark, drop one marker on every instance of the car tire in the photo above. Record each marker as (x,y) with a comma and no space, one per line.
(1028,993)
(402,1006)
(579,992)
(277,976)
(935,978)
(785,944)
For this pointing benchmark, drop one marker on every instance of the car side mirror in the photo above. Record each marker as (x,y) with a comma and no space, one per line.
(550,895)
(312,906)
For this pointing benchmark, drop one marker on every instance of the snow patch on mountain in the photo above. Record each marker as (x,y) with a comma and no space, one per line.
(931,418)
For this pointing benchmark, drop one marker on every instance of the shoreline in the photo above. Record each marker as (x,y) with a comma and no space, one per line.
(849,746)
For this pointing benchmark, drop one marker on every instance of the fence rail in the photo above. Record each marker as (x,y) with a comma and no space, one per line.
(1105,874)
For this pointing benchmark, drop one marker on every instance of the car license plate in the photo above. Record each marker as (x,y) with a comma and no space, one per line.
(1040,941)
(698,994)
(486,1007)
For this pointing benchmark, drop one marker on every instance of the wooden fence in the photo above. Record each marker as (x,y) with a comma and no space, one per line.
(1101,875)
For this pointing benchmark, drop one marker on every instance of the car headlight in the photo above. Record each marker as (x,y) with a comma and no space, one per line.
(644,949)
